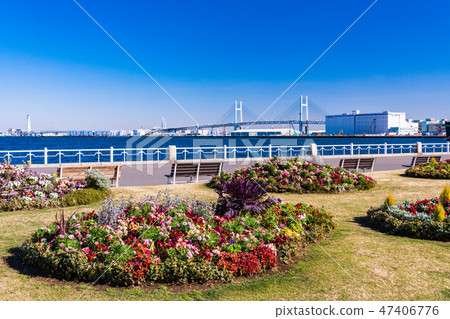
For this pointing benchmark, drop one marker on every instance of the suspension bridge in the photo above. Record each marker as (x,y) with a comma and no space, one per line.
(302,113)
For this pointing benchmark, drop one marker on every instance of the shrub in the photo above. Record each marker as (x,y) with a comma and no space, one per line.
(414,228)
(239,195)
(84,196)
(424,219)
(295,175)
(439,213)
(388,202)
(438,170)
(244,264)
(266,256)
(445,194)
(150,242)
(22,189)
(23,204)
(97,180)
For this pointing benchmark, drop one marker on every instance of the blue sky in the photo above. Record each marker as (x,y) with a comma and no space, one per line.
(58,66)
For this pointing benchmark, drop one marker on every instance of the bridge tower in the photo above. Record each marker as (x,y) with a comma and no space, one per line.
(237,109)
(303,105)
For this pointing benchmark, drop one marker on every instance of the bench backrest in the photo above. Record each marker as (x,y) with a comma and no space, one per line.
(76,173)
(184,169)
(366,163)
(79,173)
(111,171)
(210,169)
(421,160)
(349,163)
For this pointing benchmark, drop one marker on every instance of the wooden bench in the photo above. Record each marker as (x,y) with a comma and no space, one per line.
(417,160)
(193,170)
(357,164)
(349,163)
(78,173)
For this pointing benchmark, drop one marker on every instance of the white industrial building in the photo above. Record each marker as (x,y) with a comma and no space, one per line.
(357,123)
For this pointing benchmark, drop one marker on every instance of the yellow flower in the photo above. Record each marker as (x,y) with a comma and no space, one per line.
(290,233)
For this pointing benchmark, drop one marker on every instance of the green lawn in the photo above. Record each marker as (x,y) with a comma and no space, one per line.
(377,266)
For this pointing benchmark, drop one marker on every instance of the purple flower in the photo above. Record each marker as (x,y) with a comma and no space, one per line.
(279,199)
(232,241)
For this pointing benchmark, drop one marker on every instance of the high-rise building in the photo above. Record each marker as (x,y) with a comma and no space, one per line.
(28,124)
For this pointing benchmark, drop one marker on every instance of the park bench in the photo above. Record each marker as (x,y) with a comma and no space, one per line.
(357,163)
(417,160)
(193,170)
(78,173)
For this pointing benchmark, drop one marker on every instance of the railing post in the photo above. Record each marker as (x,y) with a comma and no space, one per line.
(351,149)
(225,152)
(419,147)
(270,150)
(313,149)
(45,156)
(111,154)
(448,147)
(385,148)
(172,152)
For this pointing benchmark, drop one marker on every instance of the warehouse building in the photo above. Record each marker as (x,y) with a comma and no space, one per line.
(357,123)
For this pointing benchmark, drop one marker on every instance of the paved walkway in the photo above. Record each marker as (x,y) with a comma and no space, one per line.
(153,173)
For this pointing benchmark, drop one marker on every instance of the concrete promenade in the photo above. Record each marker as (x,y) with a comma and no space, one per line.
(152,173)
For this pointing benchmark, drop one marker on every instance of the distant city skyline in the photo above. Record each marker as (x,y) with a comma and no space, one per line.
(61,69)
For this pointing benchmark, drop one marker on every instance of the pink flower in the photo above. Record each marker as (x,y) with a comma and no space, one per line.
(62,245)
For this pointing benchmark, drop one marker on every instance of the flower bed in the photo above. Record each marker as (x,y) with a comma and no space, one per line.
(171,241)
(295,175)
(23,189)
(438,170)
(414,219)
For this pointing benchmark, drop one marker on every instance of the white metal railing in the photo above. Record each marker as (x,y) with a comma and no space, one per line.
(223,152)
(112,154)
